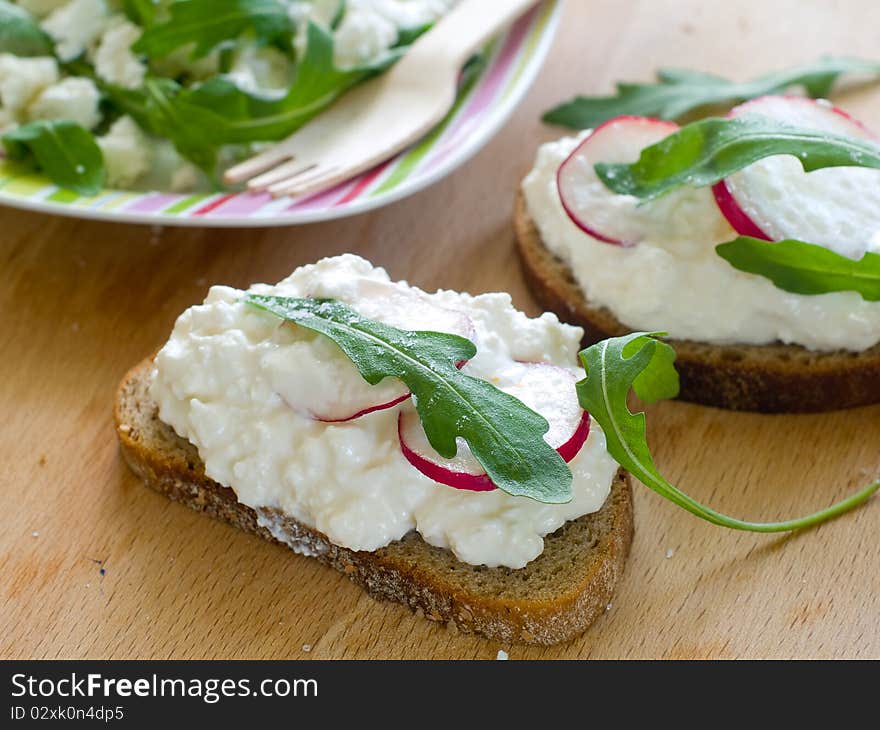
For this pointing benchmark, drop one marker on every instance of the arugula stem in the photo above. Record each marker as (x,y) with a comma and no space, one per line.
(679,498)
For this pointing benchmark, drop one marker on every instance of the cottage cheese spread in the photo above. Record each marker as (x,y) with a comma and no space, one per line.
(217,382)
(684,288)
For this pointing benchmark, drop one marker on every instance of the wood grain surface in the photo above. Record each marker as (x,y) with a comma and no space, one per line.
(93,565)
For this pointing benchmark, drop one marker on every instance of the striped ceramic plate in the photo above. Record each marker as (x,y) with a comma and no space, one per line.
(512,63)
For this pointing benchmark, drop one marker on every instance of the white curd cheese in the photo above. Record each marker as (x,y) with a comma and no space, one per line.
(368,28)
(261,69)
(23,79)
(363,35)
(218,382)
(168,169)
(180,63)
(114,61)
(683,287)
(76,26)
(322,12)
(186,177)
(74,98)
(7,121)
(127,153)
(411,13)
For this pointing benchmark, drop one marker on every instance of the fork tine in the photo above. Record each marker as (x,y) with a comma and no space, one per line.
(266,160)
(286,171)
(312,182)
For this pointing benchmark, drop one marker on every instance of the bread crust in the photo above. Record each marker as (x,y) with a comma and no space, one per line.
(773,378)
(545,608)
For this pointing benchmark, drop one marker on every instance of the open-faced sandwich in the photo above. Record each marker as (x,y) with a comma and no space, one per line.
(256,413)
(751,240)
(442,450)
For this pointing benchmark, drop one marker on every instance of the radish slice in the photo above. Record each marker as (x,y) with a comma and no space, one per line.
(774,199)
(321,381)
(623,219)
(546,389)
(603,214)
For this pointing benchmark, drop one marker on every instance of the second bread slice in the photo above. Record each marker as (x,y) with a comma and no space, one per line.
(768,378)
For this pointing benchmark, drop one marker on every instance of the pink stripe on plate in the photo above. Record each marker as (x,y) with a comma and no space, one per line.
(241,204)
(487,91)
(211,206)
(153,202)
(327,199)
(363,182)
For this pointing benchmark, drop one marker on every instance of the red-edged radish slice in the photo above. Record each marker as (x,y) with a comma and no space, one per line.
(595,209)
(546,389)
(774,199)
(320,380)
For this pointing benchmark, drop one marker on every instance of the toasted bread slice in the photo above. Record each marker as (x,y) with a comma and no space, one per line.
(555,597)
(773,378)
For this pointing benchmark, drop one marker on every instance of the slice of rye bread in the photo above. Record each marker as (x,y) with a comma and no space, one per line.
(773,378)
(555,597)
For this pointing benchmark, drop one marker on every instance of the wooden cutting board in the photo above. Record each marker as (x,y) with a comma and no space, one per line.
(93,565)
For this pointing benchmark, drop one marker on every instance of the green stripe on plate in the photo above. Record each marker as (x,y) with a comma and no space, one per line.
(182,205)
(63,196)
(525,57)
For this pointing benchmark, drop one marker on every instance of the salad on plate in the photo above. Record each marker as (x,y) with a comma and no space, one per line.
(162,94)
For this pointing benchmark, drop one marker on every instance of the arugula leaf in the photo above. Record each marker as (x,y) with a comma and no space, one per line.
(140,12)
(680,92)
(705,152)
(339,15)
(804,268)
(20,34)
(208,23)
(63,150)
(206,117)
(156,109)
(505,436)
(243,117)
(615,366)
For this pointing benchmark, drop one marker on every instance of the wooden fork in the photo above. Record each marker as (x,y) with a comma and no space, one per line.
(383,116)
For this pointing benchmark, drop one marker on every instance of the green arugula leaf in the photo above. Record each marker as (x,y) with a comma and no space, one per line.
(140,12)
(680,92)
(157,108)
(20,34)
(613,367)
(705,152)
(339,15)
(208,23)
(242,117)
(66,152)
(804,268)
(505,436)
(658,380)
(201,120)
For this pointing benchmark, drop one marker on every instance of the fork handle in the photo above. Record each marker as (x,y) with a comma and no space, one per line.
(464,30)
